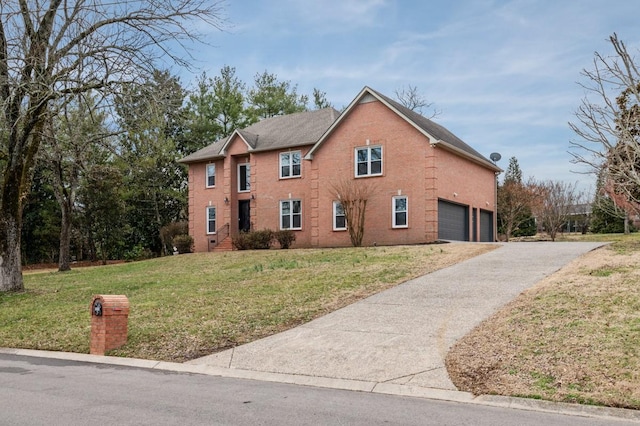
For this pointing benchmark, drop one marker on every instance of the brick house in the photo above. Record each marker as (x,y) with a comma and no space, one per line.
(276,174)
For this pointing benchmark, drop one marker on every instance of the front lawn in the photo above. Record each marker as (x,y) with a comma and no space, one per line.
(187,306)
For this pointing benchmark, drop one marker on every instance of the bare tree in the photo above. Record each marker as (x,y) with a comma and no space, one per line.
(515,202)
(412,99)
(608,123)
(555,204)
(515,199)
(71,142)
(353,194)
(53,50)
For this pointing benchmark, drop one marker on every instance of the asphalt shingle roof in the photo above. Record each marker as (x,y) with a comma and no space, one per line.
(432,128)
(310,128)
(285,131)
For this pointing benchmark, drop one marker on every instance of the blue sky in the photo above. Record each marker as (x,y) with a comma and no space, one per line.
(503,74)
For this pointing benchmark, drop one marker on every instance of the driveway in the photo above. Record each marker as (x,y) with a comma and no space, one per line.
(401,336)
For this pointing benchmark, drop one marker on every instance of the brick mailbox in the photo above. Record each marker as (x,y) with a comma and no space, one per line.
(109,318)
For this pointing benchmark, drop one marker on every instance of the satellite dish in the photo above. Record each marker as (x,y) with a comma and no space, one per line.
(495,156)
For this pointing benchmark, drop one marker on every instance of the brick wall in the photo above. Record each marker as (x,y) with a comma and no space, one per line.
(406,156)
(411,167)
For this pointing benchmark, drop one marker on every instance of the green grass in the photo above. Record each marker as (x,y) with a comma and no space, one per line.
(187,306)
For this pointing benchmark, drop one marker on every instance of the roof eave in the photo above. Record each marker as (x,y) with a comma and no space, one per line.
(223,150)
(325,135)
(186,160)
(462,153)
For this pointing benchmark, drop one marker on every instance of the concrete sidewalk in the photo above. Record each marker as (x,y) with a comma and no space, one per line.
(401,336)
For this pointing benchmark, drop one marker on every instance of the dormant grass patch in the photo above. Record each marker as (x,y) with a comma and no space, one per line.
(574,337)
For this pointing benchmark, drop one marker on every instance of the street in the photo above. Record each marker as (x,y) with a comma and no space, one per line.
(38,391)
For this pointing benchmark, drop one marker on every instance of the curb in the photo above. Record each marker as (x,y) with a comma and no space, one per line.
(346,384)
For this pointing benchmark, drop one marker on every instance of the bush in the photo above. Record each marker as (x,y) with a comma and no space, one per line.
(285,238)
(528,228)
(253,240)
(183,243)
(170,231)
(138,253)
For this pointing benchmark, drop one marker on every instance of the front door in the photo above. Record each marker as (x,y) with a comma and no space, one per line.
(244,215)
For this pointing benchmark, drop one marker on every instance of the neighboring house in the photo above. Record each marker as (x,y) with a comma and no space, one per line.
(277,174)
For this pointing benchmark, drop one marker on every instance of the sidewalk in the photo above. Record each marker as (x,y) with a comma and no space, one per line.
(401,336)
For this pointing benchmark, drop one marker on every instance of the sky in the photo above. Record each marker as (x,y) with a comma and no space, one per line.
(503,74)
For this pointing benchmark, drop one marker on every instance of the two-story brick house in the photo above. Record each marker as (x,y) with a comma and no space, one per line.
(277,174)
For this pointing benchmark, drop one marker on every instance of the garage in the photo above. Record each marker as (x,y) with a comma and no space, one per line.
(453,221)
(486,226)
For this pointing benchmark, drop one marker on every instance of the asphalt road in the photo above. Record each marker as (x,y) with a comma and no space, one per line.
(39,391)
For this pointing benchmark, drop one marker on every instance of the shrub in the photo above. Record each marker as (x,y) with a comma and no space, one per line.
(253,240)
(137,253)
(170,231)
(183,243)
(285,238)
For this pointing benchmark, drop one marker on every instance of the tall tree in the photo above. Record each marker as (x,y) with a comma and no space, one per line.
(41,222)
(515,200)
(150,117)
(271,97)
(215,110)
(103,216)
(608,123)
(320,99)
(53,50)
(71,144)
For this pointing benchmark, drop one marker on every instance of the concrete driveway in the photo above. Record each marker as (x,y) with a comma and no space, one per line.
(401,336)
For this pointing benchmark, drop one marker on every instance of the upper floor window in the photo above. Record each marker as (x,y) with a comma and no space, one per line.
(211,220)
(291,214)
(369,161)
(400,211)
(339,217)
(211,175)
(244,177)
(290,164)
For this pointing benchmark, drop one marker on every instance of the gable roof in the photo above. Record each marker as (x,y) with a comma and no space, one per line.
(285,131)
(437,134)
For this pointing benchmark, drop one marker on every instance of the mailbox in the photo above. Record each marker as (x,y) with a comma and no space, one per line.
(109,322)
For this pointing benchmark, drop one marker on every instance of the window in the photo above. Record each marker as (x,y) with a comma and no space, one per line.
(290,164)
(211,175)
(291,214)
(369,161)
(400,212)
(339,218)
(244,177)
(211,220)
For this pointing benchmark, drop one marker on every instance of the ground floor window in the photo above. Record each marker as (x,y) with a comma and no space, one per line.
(211,220)
(291,214)
(400,210)
(339,217)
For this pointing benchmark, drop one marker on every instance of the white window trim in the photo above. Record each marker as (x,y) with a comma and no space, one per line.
(248,165)
(394,211)
(291,200)
(335,227)
(291,176)
(355,161)
(206,179)
(207,220)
